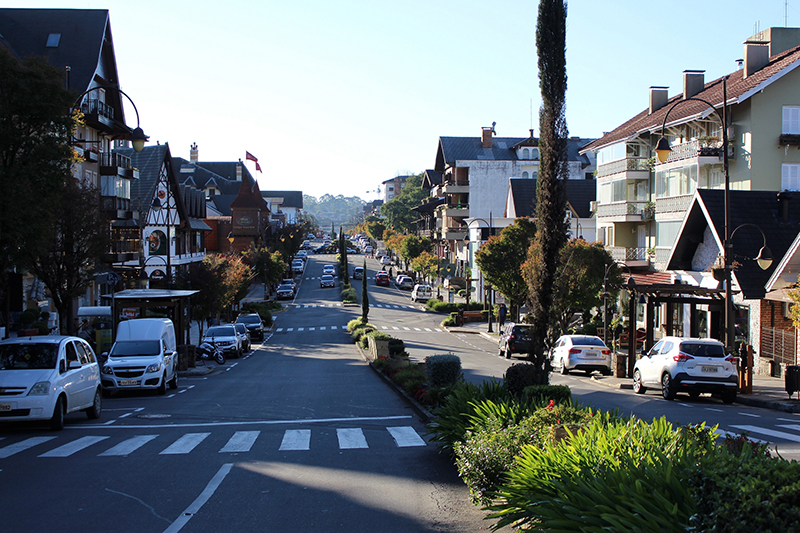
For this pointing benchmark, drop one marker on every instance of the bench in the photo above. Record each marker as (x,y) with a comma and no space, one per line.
(473,316)
(622,341)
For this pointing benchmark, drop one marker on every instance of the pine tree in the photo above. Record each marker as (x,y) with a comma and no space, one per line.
(364,296)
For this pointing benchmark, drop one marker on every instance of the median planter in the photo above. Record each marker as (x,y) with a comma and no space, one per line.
(377,348)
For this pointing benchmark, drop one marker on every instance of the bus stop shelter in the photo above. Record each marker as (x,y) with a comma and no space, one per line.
(147,303)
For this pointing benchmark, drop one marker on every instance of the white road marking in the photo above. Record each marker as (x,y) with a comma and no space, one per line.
(311,329)
(126,415)
(128,446)
(75,446)
(437,329)
(395,328)
(723,433)
(196,505)
(750,414)
(279,330)
(296,439)
(21,446)
(429,329)
(351,438)
(289,329)
(241,441)
(185,444)
(417,329)
(407,329)
(787,419)
(715,410)
(322,328)
(770,432)
(405,436)
(255,423)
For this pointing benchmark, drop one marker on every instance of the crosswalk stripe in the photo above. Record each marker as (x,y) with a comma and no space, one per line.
(351,438)
(278,330)
(311,329)
(185,444)
(384,327)
(129,446)
(26,444)
(241,441)
(417,329)
(396,306)
(405,436)
(289,329)
(437,329)
(395,328)
(429,330)
(407,329)
(72,447)
(322,328)
(300,329)
(296,439)
(769,432)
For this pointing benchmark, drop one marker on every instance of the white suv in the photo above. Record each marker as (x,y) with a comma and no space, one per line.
(680,364)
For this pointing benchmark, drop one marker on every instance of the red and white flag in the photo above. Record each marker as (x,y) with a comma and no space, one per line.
(251,157)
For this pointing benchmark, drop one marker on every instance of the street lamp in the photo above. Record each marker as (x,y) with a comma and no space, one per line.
(490,294)
(631,284)
(137,136)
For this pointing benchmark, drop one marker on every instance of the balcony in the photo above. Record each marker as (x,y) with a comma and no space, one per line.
(459,187)
(707,151)
(633,167)
(455,210)
(114,164)
(455,234)
(674,204)
(625,211)
(98,115)
(633,257)
(123,250)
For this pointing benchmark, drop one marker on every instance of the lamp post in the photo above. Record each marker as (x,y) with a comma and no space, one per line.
(662,152)
(137,136)
(490,293)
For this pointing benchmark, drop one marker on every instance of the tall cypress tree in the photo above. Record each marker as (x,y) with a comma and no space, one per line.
(551,236)
(364,296)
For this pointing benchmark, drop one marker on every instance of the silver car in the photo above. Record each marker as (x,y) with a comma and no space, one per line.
(225,338)
(581,352)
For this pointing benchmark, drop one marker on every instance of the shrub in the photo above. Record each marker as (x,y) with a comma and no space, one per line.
(349,295)
(443,369)
(355,323)
(521,375)
(396,346)
(410,378)
(41,327)
(381,363)
(447,307)
(262,309)
(363,341)
(544,393)
(450,321)
(28,316)
(360,332)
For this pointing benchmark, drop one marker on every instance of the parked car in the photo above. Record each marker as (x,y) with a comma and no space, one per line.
(368,249)
(144,356)
(352,251)
(358,272)
(301,254)
(386,260)
(244,335)
(290,281)
(421,293)
(298,265)
(581,352)
(254,325)
(44,378)
(326,281)
(306,245)
(284,292)
(515,338)
(225,338)
(382,278)
(329,269)
(683,364)
(404,283)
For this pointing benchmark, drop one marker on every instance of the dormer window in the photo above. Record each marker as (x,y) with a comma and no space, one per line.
(526,154)
(526,175)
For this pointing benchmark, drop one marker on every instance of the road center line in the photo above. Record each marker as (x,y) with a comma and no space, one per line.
(196,505)
(253,422)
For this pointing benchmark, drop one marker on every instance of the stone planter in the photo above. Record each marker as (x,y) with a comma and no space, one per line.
(377,348)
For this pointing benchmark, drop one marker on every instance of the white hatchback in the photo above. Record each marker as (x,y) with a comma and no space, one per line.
(45,378)
(581,352)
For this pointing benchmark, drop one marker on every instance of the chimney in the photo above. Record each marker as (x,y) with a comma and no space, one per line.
(239,171)
(784,197)
(193,154)
(486,135)
(756,56)
(693,82)
(658,98)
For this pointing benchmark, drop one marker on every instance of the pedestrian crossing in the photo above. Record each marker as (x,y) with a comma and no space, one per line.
(239,442)
(384,327)
(339,304)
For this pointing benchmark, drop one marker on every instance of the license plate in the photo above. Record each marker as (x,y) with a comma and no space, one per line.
(590,354)
(5,406)
(125,382)
(709,369)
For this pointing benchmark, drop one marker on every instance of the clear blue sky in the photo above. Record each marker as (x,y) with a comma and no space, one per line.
(336,96)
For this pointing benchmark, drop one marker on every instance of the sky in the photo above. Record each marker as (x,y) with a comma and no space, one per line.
(337,96)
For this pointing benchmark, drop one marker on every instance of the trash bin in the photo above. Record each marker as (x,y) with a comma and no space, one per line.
(792,379)
(622,365)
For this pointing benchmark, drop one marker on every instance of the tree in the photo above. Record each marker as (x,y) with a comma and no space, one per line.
(375,228)
(426,264)
(35,158)
(77,239)
(222,278)
(364,296)
(267,265)
(412,246)
(398,211)
(550,196)
(501,257)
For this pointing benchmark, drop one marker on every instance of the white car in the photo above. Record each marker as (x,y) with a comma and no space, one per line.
(329,269)
(386,260)
(581,352)
(298,265)
(421,293)
(682,364)
(44,378)
(225,338)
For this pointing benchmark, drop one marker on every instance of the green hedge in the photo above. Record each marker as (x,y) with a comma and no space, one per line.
(542,394)
(349,295)
(447,307)
(262,309)
(521,375)
(443,369)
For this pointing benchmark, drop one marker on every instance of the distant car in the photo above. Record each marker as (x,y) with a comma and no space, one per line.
(284,292)
(358,272)
(321,249)
(515,338)
(44,378)
(301,254)
(682,364)
(581,352)
(306,245)
(329,269)
(382,278)
(298,265)
(244,333)
(421,293)
(254,325)
(386,260)
(404,283)
(327,281)
(225,338)
(368,249)
(290,281)
(352,251)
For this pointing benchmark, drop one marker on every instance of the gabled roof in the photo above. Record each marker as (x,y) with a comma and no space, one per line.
(703,232)
(290,198)
(149,162)
(204,175)
(739,90)
(432,179)
(249,197)
(579,194)
(452,149)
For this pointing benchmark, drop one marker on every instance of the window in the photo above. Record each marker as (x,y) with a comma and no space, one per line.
(790,177)
(791,119)
(53,39)
(676,181)
(526,154)
(666,233)
(525,175)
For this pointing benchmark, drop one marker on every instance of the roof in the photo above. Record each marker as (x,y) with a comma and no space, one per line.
(703,232)
(204,175)
(149,162)
(452,149)
(432,179)
(739,89)
(290,198)
(579,194)
(249,197)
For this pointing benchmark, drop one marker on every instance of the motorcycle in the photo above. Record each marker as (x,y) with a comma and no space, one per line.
(208,351)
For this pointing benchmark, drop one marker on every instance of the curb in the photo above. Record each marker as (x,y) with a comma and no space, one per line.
(623,386)
(768,404)
(196,371)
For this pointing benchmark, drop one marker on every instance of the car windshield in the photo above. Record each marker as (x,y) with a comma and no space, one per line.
(220,331)
(241,328)
(702,349)
(249,319)
(587,341)
(135,348)
(523,330)
(286,287)
(327,277)
(27,356)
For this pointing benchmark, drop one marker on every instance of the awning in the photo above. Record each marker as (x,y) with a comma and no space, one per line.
(197,224)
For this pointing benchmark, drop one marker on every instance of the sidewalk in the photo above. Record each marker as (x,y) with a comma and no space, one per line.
(768,392)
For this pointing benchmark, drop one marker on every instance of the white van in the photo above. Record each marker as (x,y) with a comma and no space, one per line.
(421,293)
(144,356)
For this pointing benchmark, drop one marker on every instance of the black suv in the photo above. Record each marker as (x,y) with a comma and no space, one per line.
(254,325)
(515,338)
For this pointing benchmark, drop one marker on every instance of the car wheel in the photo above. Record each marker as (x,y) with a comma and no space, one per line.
(638,388)
(729,396)
(162,389)
(57,421)
(606,371)
(173,384)
(667,390)
(501,352)
(564,369)
(94,411)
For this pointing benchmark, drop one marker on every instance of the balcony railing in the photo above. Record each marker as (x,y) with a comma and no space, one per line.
(624,165)
(622,253)
(674,204)
(617,209)
(91,107)
(711,147)
(113,159)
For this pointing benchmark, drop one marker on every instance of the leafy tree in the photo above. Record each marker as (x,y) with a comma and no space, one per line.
(425,264)
(501,258)
(329,209)
(364,296)
(35,159)
(398,211)
(550,196)
(412,246)
(222,278)
(269,266)
(393,241)
(375,228)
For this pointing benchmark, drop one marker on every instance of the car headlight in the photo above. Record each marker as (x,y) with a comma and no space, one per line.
(155,367)
(42,388)
(107,370)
